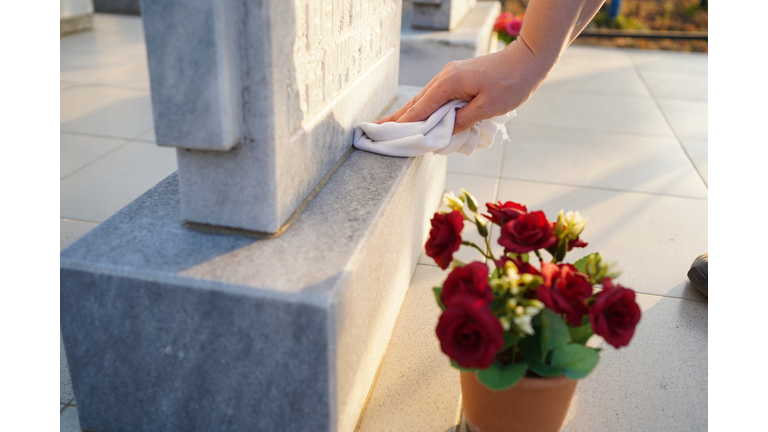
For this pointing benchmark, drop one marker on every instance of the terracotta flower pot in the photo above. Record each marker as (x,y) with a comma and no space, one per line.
(532,405)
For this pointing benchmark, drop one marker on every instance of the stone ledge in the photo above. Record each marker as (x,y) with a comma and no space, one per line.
(474,32)
(171,329)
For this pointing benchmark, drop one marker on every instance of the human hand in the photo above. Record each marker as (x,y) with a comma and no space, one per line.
(493,84)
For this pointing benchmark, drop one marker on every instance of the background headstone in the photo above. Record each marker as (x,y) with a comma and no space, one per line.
(75,15)
(440,14)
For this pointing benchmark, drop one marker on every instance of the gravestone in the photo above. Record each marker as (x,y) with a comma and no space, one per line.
(75,16)
(261,98)
(171,329)
(440,14)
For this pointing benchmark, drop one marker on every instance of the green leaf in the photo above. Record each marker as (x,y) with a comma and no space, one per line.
(438,291)
(581,264)
(509,340)
(582,333)
(530,346)
(471,201)
(498,377)
(524,257)
(462,368)
(554,332)
(481,227)
(542,368)
(576,361)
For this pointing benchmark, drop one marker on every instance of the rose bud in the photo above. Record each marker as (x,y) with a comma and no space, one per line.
(500,213)
(471,279)
(469,333)
(527,233)
(444,237)
(514,26)
(615,314)
(522,267)
(564,291)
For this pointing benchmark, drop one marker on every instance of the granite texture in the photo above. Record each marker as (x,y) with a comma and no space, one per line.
(440,14)
(171,329)
(258,129)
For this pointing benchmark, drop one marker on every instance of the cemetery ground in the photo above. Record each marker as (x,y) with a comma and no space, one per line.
(617,134)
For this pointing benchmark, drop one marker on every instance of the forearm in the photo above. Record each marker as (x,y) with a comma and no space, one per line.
(551,25)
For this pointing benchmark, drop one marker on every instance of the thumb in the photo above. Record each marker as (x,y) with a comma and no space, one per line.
(472,113)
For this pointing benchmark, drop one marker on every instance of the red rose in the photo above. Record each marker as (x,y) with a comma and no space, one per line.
(615,314)
(444,237)
(508,211)
(501,22)
(521,266)
(564,291)
(469,332)
(578,243)
(528,232)
(514,26)
(471,279)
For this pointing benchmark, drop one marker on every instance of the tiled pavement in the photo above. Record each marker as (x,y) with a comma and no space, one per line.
(620,135)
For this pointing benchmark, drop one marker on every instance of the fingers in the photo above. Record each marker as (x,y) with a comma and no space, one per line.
(403,109)
(472,113)
(437,95)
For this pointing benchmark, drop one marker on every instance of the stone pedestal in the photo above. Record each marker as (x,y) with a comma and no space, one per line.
(169,329)
(75,16)
(440,14)
(262,98)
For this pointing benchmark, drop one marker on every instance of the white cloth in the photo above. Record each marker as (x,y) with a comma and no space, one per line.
(431,135)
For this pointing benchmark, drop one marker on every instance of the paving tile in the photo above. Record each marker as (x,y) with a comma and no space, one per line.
(594,111)
(77,151)
(688,118)
(676,85)
(669,61)
(148,136)
(484,190)
(135,76)
(99,190)
(595,77)
(590,55)
(416,390)
(85,67)
(115,23)
(69,422)
(106,111)
(697,150)
(124,41)
(601,159)
(418,317)
(65,383)
(483,162)
(71,230)
(658,382)
(653,238)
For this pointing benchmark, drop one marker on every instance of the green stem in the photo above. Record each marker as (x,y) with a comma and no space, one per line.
(488,246)
(468,243)
(538,254)
(514,352)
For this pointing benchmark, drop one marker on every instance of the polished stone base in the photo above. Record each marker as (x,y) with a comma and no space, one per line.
(170,329)
(440,14)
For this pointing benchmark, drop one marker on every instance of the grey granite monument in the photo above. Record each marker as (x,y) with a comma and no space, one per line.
(261,98)
(172,329)
(440,14)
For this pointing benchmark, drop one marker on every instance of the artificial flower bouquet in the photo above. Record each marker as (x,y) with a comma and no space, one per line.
(522,319)
(508,26)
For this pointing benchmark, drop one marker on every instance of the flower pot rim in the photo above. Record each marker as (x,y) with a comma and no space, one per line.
(533,383)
